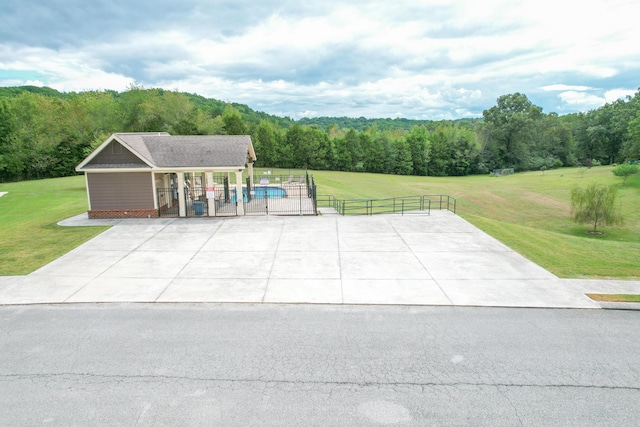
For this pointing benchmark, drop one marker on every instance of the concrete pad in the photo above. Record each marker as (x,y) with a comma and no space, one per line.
(382,265)
(118,239)
(515,293)
(452,242)
(481,266)
(228,265)
(308,241)
(36,289)
(250,225)
(83,220)
(168,242)
(105,289)
(393,291)
(595,286)
(214,290)
(317,224)
(9,280)
(258,241)
(160,265)
(437,222)
(364,224)
(306,265)
(372,242)
(320,291)
(204,225)
(140,226)
(389,259)
(82,263)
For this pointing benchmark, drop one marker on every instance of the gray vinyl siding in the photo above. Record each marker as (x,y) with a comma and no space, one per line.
(108,157)
(115,191)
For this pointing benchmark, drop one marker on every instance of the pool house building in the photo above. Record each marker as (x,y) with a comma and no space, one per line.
(153,174)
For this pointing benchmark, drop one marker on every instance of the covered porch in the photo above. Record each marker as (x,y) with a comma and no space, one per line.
(200,193)
(215,194)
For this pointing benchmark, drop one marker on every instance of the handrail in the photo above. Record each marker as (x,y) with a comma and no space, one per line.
(400,205)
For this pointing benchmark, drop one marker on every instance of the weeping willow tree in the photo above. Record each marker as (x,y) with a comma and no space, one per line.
(595,204)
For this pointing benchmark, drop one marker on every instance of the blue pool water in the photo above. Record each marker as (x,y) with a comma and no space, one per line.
(261,192)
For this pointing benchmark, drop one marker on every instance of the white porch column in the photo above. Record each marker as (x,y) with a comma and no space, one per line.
(155,179)
(239,198)
(182,200)
(250,171)
(211,202)
(167,184)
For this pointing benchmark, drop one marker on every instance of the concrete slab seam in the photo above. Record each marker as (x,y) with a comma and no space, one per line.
(339,260)
(422,264)
(266,288)
(187,263)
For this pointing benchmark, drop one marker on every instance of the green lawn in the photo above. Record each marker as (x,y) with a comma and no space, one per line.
(29,236)
(527,211)
(615,297)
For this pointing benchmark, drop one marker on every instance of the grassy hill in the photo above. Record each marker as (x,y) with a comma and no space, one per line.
(528,212)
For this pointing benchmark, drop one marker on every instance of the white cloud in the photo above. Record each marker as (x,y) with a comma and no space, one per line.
(615,94)
(561,87)
(582,99)
(435,58)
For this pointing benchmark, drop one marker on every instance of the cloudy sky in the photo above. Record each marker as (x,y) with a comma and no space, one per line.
(422,59)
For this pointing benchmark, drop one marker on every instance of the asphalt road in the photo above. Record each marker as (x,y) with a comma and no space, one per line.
(317,365)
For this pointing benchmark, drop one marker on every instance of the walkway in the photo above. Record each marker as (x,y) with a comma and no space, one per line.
(437,259)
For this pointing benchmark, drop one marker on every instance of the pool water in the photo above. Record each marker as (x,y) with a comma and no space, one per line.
(261,192)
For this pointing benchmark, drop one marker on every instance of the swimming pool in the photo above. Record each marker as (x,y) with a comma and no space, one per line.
(261,192)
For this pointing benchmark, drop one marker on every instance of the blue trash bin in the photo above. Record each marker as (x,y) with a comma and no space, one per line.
(198,207)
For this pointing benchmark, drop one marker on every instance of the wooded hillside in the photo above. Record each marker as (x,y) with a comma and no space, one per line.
(45,133)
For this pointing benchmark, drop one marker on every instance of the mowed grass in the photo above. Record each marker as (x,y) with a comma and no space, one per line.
(615,297)
(29,235)
(529,212)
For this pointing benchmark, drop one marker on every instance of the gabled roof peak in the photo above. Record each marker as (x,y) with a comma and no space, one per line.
(165,151)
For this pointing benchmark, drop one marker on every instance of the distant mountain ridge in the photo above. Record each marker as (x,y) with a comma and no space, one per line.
(253,117)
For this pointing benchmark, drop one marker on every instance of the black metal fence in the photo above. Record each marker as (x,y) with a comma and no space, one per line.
(395,205)
(196,203)
(168,202)
(280,195)
(443,201)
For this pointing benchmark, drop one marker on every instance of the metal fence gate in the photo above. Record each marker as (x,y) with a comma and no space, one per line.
(168,202)
(280,196)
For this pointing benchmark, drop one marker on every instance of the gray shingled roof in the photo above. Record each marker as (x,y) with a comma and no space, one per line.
(198,151)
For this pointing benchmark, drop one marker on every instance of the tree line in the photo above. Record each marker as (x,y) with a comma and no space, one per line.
(45,133)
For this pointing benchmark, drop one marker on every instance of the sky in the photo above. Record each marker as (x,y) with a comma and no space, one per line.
(417,59)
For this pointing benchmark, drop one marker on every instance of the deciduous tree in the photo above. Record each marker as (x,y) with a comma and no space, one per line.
(595,204)
(625,170)
(511,124)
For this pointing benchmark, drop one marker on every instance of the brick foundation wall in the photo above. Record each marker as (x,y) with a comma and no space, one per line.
(129,213)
